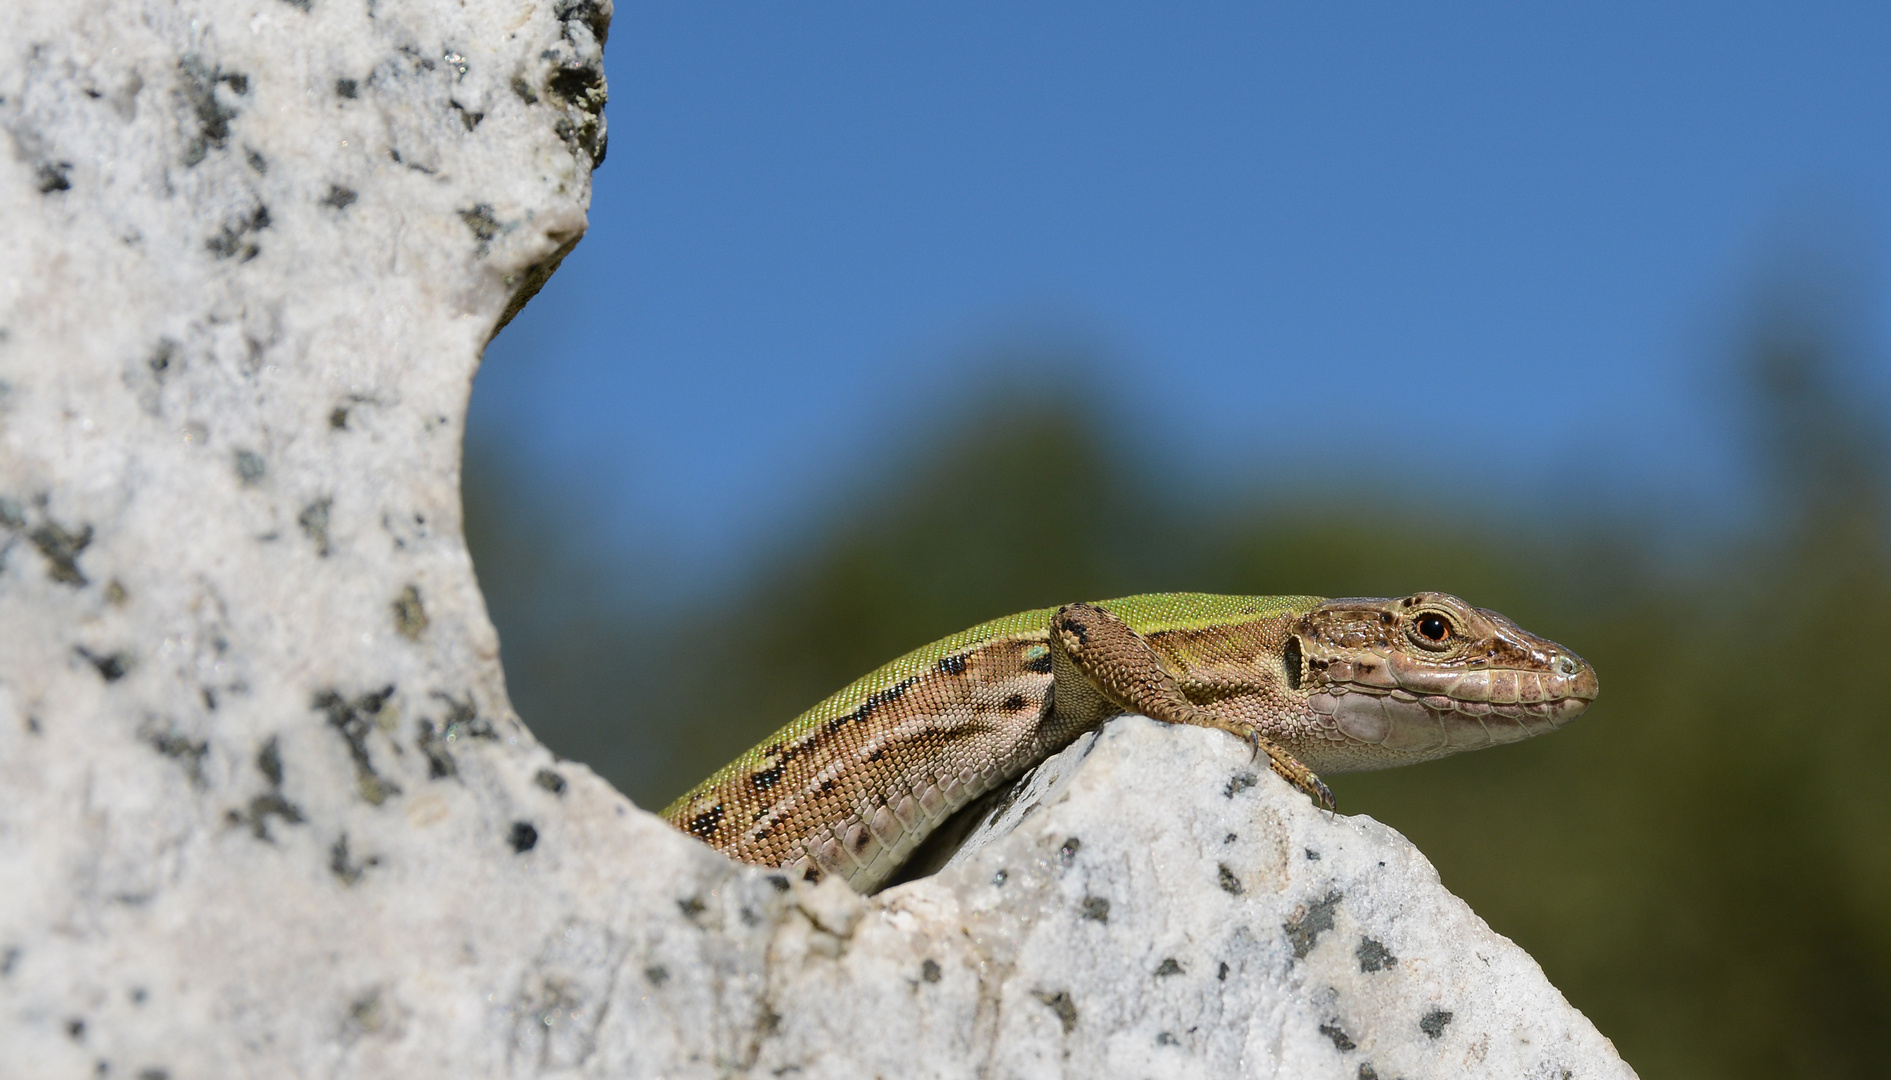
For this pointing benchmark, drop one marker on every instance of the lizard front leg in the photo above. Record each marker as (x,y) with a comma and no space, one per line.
(1101,667)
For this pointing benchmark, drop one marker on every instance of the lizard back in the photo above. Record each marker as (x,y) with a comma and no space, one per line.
(852,785)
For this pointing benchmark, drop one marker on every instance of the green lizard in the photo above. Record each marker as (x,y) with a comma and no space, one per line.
(852,786)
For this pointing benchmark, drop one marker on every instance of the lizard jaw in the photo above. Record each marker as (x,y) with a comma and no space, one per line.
(1419,728)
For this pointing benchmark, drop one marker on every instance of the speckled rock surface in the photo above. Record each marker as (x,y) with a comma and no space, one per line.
(1177,911)
(267,811)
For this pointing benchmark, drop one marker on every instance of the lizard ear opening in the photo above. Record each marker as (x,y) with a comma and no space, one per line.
(1290,659)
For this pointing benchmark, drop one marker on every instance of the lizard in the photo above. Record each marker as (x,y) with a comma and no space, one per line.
(850,787)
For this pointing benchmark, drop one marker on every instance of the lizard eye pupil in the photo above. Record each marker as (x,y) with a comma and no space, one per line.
(1434,627)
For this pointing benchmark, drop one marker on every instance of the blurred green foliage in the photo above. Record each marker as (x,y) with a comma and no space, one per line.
(1702,863)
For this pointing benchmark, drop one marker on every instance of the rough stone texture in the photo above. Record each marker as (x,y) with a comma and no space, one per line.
(267,811)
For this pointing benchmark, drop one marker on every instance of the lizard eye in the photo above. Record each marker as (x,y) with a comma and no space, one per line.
(1433,627)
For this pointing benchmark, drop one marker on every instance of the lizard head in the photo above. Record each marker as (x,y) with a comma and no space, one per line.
(1427,675)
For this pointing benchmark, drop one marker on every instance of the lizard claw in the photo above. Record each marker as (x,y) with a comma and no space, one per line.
(1293,772)
(1322,795)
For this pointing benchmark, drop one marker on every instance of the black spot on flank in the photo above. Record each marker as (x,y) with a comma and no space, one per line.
(522,836)
(704,824)
(346,88)
(769,777)
(1433,1023)
(1015,703)
(1040,664)
(828,784)
(874,700)
(1074,629)
(884,697)
(952,665)
(1340,1039)
(878,753)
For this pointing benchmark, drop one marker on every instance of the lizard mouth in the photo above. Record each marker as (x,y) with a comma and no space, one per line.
(1469,709)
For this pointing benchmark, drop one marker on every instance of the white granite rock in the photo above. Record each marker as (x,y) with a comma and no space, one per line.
(266,810)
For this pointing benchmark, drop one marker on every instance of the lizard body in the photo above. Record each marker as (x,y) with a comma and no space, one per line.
(852,786)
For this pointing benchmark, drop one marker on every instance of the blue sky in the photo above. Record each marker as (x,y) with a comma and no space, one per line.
(1286,235)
